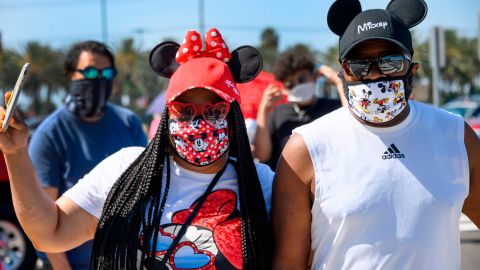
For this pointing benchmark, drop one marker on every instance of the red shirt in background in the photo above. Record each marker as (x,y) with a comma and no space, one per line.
(252,93)
(3,170)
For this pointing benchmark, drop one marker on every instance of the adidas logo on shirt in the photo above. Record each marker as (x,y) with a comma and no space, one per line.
(392,152)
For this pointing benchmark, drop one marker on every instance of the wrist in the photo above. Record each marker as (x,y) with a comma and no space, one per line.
(17,153)
(264,108)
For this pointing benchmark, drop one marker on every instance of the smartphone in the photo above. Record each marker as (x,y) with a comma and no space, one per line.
(12,101)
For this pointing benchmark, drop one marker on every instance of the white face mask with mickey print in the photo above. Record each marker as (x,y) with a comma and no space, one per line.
(377,101)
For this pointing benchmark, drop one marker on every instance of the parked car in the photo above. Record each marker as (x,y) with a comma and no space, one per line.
(16,250)
(465,108)
(475,124)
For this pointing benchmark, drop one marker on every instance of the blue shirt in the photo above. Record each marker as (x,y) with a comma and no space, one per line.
(64,148)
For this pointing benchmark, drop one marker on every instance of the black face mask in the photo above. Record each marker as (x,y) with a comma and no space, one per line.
(88,98)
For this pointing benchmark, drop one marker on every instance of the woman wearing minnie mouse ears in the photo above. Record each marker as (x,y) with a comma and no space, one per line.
(193,199)
(380,183)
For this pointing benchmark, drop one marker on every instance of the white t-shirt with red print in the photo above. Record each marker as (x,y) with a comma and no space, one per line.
(212,240)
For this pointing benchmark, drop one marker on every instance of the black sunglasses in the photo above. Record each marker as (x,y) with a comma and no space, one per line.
(92,73)
(387,65)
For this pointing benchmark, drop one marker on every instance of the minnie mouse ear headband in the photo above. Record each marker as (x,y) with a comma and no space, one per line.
(346,19)
(215,68)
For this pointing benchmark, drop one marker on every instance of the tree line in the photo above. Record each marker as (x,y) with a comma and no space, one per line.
(136,84)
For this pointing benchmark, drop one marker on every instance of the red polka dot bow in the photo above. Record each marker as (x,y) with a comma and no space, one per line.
(191,47)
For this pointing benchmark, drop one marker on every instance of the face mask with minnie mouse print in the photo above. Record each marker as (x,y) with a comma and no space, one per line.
(199,142)
(376,101)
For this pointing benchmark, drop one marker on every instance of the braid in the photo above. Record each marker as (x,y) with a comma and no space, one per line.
(128,208)
(137,200)
(255,228)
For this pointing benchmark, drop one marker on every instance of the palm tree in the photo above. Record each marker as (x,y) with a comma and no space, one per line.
(9,68)
(135,78)
(45,71)
(269,47)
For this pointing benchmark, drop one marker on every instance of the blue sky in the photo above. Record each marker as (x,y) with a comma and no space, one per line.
(59,23)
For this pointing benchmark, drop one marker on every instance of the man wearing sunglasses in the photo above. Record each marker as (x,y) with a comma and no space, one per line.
(80,134)
(379,184)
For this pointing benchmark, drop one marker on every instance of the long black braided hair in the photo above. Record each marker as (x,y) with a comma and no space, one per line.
(136,202)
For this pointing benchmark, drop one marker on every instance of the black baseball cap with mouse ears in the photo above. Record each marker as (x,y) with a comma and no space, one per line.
(347,20)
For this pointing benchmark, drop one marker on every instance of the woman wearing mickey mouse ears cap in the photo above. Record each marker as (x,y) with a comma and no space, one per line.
(193,199)
(380,183)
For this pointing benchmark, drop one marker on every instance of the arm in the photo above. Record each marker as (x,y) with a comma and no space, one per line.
(51,226)
(332,77)
(263,141)
(57,260)
(291,204)
(472,202)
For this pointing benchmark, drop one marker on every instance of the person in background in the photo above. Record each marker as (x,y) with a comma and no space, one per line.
(381,183)
(155,110)
(252,93)
(295,68)
(81,133)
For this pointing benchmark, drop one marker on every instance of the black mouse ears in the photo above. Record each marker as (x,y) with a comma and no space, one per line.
(409,12)
(342,12)
(162,58)
(245,63)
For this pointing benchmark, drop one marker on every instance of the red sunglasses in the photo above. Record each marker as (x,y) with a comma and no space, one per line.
(186,112)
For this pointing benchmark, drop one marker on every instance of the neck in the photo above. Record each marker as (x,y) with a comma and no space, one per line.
(397,120)
(208,169)
(92,119)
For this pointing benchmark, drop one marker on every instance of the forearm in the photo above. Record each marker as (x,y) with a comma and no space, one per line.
(59,261)
(36,211)
(263,141)
(332,76)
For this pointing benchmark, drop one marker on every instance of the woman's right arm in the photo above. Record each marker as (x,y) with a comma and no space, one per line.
(51,226)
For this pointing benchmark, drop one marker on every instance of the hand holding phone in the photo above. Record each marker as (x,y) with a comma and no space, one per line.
(12,101)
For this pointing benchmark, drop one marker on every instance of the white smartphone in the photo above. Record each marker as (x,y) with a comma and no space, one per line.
(12,101)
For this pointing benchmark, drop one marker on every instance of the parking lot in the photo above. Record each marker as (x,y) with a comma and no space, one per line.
(470,245)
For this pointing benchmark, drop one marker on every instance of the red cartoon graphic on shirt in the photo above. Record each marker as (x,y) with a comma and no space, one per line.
(212,241)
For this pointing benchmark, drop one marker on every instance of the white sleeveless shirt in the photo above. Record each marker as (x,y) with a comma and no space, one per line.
(387,198)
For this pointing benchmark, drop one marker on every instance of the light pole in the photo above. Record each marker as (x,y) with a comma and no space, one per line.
(437,61)
(103,10)
(201,17)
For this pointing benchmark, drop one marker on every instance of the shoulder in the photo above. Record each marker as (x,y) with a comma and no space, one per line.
(118,109)
(122,115)
(438,120)
(90,193)
(127,155)
(50,127)
(52,121)
(265,174)
(426,110)
(118,161)
(120,112)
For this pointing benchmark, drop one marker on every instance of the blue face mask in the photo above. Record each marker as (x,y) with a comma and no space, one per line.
(88,98)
